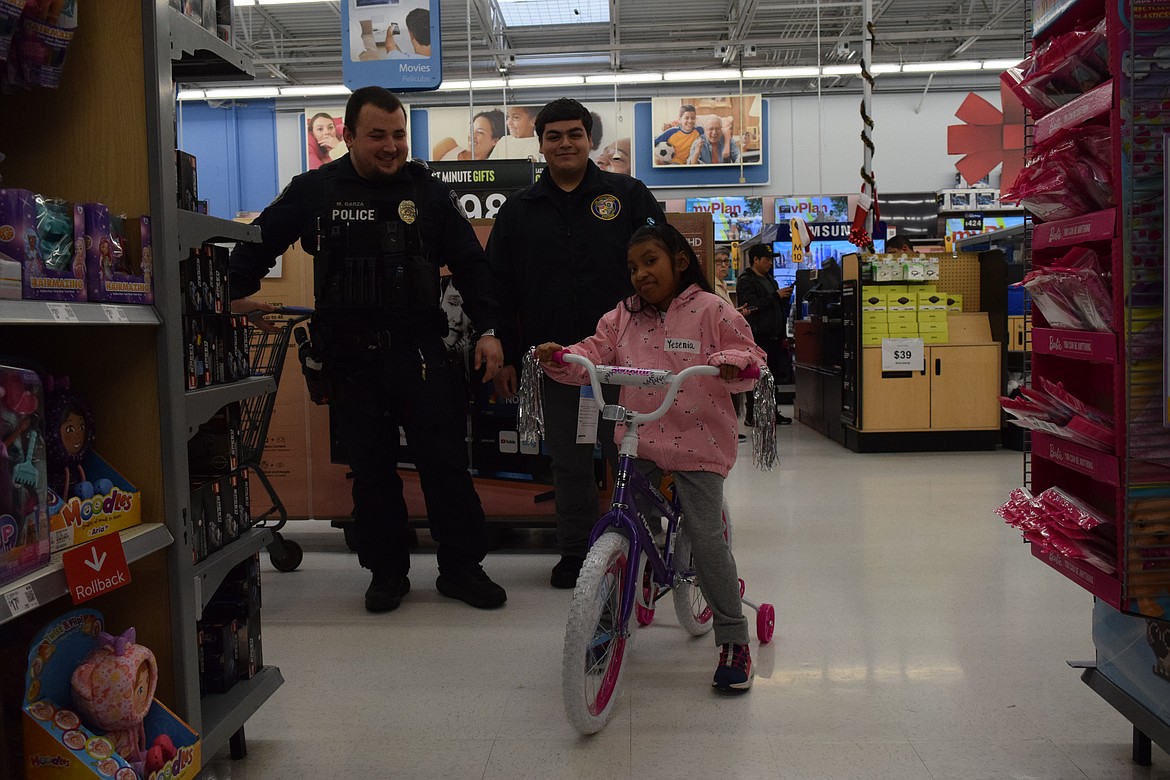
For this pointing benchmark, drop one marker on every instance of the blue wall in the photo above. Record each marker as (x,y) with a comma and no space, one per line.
(235,148)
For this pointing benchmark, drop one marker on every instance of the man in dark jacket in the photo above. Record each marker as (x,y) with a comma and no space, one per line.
(765,305)
(379,226)
(558,253)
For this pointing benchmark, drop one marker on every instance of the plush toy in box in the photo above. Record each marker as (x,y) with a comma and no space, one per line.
(90,712)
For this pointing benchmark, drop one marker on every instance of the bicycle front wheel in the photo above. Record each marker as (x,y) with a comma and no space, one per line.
(596,640)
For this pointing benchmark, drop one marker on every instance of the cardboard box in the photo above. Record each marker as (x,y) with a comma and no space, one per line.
(51,252)
(873,339)
(874,318)
(220,651)
(871,302)
(902,316)
(188,179)
(932,301)
(935,338)
(75,521)
(955,302)
(932,315)
(119,257)
(902,302)
(932,327)
(903,329)
(57,744)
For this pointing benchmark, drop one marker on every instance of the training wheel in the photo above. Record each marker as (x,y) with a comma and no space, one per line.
(765,623)
(644,616)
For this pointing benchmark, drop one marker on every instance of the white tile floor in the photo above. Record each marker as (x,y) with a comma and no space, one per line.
(916,638)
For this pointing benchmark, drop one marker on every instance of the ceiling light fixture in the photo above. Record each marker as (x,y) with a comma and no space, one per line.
(546,81)
(720,74)
(1000,64)
(624,78)
(939,67)
(781,73)
(842,70)
(240,93)
(190,94)
(319,90)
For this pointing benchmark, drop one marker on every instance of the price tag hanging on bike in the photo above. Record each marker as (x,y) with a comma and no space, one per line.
(903,355)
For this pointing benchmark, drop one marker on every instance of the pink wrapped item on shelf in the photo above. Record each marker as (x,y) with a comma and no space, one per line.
(1060,70)
(1071,299)
(1057,521)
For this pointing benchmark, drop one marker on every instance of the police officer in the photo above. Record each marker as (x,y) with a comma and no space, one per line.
(765,305)
(378,227)
(558,253)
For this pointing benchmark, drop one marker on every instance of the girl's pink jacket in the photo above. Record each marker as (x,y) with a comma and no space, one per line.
(700,432)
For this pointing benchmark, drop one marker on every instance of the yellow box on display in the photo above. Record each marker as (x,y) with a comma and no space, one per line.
(932,327)
(873,302)
(926,287)
(873,339)
(902,316)
(934,338)
(878,318)
(895,288)
(875,326)
(902,302)
(928,301)
(902,329)
(955,302)
(932,315)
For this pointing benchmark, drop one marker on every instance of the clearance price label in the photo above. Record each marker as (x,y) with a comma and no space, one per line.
(903,355)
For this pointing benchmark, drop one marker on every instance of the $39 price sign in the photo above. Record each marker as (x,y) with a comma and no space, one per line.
(902,355)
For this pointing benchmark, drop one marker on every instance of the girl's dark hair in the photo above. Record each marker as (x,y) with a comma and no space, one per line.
(674,243)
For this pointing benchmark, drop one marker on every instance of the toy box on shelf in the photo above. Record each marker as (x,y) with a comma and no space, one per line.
(24,525)
(115,504)
(47,237)
(58,744)
(119,258)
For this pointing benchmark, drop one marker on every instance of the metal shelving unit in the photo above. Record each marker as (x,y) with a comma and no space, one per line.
(206,401)
(53,312)
(224,714)
(48,584)
(210,571)
(194,229)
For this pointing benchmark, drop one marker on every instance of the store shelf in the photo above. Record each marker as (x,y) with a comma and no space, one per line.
(226,713)
(1151,725)
(1090,346)
(48,583)
(210,571)
(1095,464)
(1097,226)
(61,313)
(1098,101)
(200,55)
(1104,586)
(1010,235)
(195,229)
(202,404)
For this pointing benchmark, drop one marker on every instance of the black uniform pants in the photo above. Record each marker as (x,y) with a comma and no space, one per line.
(418,389)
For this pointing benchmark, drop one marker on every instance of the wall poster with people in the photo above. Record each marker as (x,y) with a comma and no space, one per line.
(508,132)
(323,135)
(713,130)
(391,43)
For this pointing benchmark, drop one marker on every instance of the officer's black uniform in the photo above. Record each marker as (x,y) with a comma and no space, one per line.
(768,317)
(559,259)
(377,249)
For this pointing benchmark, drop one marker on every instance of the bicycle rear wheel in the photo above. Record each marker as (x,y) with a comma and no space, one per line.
(596,641)
(689,603)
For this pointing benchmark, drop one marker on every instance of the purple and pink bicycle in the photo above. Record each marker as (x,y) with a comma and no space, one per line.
(626,572)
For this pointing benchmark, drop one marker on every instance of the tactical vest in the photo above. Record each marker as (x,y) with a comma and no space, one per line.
(371,269)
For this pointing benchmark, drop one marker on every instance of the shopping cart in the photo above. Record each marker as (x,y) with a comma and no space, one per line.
(266,351)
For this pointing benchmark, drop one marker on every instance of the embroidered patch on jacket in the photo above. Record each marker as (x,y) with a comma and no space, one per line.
(606,207)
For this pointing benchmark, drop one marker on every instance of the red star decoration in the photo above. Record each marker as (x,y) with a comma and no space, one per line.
(988,137)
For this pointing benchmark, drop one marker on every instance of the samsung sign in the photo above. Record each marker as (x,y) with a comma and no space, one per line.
(391,43)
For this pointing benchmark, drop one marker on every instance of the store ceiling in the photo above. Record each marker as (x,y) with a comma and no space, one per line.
(300,44)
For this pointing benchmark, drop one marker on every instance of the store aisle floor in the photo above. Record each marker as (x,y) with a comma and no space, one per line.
(916,638)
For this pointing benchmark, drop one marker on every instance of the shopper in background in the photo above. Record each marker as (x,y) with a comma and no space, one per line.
(558,253)
(722,269)
(695,440)
(899,244)
(378,227)
(765,303)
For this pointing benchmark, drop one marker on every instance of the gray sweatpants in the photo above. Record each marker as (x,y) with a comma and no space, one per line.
(574,482)
(700,493)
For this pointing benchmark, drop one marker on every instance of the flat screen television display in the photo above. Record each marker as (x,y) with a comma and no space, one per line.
(736,218)
(829,241)
(975,224)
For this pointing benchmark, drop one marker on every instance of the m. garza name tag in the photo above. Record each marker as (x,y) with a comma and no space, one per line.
(682,345)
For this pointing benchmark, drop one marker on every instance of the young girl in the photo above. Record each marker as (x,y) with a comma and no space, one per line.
(673,322)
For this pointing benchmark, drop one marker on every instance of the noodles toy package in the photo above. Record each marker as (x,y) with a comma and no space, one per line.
(90,711)
(87,497)
(24,526)
(47,237)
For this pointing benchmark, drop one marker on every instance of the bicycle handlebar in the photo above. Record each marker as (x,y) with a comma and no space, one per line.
(636,377)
